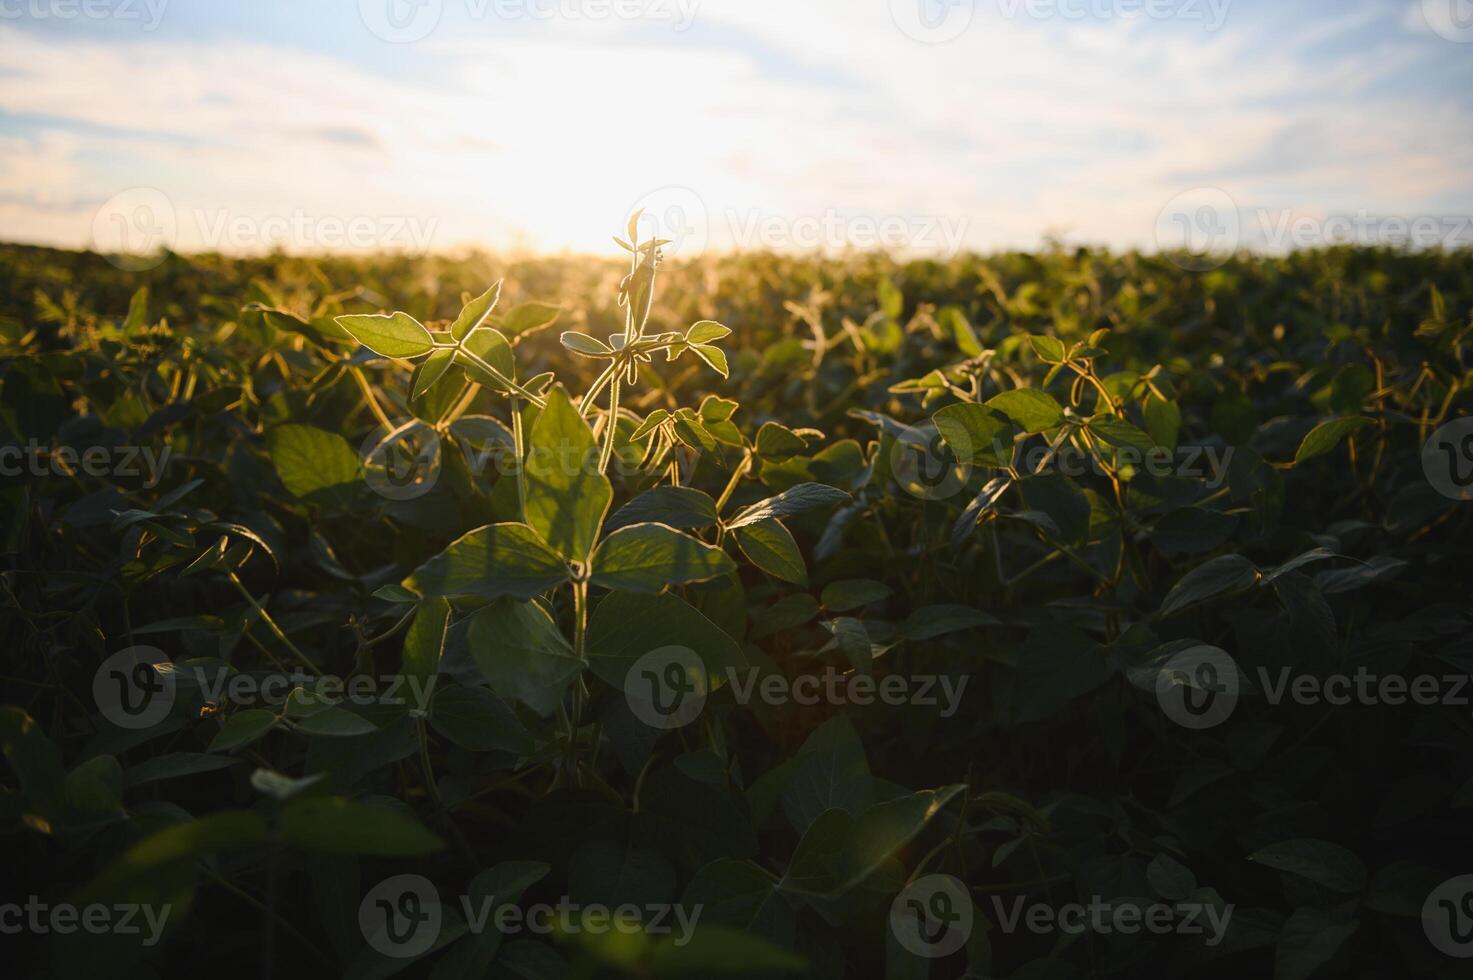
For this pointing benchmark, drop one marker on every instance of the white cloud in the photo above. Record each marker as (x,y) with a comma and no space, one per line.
(777,109)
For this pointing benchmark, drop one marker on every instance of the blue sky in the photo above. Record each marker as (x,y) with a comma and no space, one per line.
(918,125)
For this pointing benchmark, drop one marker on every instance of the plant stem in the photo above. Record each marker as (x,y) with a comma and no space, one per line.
(370,397)
(266,618)
(519,449)
(502,379)
(613,425)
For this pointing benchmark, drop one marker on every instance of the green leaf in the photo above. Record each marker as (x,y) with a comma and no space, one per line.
(1309,939)
(1163,421)
(625,626)
(681,507)
(929,622)
(522,654)
(1056,664)
(777,442)
(430,370)
(649,557)
(243,728)
(771,547)
(740,895)
(1327,435)
(885,828)
(172,765)
(1320,861)
(1192,530)
(96,786)
(713,356)
(391,335)
(581,343)
(1221,576)
(475,312)
(567,496)
(335,723)
(338,826)
(314,465)
(424,642)
(530,317)
(1050,350)
(1116,431)
(975,433)
(830,772)
(1030,409)
(954,321)
(489,345)
(492,561)
(1170,878)
(847,594)
(706,331)
(474,718)
(791,501)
